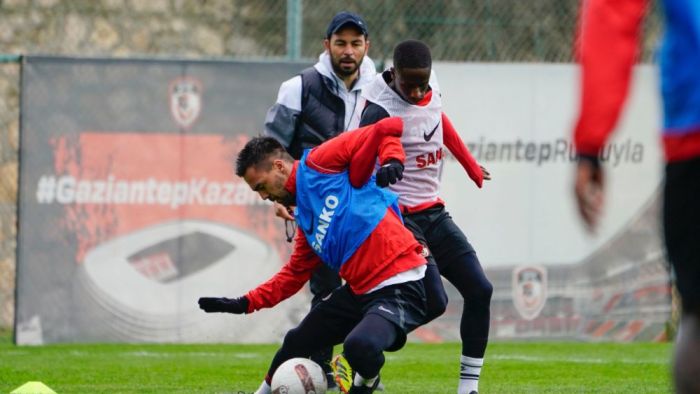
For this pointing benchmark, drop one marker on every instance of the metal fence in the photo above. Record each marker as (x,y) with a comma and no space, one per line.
(9,143)
(456,30)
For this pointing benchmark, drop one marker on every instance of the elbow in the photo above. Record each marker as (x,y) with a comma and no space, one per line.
(391,126)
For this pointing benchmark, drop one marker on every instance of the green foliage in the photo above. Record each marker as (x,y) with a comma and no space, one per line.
(419,368)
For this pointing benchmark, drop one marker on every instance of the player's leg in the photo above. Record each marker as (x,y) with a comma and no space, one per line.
(390,314)
(327,324)
(460,265)
(686,365)
(681,227)
(364,349)
(435,295)
(323,281)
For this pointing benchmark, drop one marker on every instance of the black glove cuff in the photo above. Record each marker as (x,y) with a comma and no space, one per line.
(392,162)
(244,303)
(592,159)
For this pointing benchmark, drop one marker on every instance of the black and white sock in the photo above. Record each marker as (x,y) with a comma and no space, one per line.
(360,381)
(470,370)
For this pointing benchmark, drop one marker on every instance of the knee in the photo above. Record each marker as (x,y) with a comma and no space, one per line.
(358,348)
(479,293)
(486,291)
(294,340)
(435,295)
(435,306)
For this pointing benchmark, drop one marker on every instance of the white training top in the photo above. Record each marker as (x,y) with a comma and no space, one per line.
(422,140)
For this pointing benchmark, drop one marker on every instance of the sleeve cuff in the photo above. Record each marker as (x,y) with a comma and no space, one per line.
(592,159)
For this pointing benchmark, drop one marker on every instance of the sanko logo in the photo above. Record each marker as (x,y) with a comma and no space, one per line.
(324,220)
(556,151)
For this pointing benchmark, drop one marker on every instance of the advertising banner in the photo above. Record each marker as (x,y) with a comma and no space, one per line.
(551,278)
(130,209)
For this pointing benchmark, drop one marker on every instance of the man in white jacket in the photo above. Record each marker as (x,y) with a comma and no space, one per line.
(318,104)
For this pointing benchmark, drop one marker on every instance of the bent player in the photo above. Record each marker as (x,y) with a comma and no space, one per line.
(318,104)
(354,227)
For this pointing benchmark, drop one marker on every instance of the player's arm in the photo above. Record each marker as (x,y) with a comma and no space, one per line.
(460,151)
(357,150)
(390,170)
(608,40)
(285,283)
(282,118)
(372,113)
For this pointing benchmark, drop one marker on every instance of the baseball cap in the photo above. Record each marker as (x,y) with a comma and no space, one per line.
(343,18)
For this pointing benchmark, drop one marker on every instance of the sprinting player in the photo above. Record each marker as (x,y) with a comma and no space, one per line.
(407,90)
(318,104)
(609,36)
(350,224)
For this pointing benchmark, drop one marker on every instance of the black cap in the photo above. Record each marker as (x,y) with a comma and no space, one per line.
(343,18)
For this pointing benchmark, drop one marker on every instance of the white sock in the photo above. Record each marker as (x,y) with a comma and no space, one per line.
(360,381)
(264,389)
(470,370)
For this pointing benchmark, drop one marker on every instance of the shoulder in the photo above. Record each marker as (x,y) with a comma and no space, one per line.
(312,75)
(289,94)
(372,114)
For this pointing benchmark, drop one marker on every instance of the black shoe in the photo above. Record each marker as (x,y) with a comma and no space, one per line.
(364,389)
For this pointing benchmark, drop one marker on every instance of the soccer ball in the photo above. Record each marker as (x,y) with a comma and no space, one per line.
(299,376)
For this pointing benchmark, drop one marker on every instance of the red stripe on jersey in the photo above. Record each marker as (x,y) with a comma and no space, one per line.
(682,147)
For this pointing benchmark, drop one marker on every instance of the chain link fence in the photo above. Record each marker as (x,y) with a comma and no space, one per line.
(456,30)
(9,144)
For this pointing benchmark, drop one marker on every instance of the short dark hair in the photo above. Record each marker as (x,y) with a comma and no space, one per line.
(256,152)
(412,54)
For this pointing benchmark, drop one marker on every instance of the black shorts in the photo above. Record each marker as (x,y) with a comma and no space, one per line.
(681,219)
(402,304)
(435,228)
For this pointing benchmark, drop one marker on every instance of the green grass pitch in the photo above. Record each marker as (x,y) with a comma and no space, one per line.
(511,367)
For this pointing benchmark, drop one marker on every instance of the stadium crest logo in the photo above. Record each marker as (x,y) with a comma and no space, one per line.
(529,290)
(185,100)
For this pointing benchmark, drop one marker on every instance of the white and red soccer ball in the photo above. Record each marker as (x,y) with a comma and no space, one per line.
(299,376)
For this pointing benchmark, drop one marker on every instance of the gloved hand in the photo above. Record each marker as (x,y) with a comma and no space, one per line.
(389,173)
(231,305)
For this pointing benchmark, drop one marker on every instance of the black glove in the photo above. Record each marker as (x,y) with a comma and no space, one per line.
(231,305)
(389,173)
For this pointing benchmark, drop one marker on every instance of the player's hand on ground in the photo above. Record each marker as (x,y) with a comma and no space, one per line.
(589,190)
(221,304)
(389,173)
(487,174)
